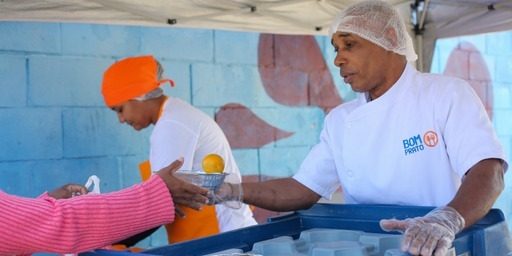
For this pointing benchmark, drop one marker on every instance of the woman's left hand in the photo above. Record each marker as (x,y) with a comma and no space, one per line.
(68,191)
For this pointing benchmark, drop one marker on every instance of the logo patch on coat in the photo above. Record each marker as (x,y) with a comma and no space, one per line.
(417,143)
(430,139)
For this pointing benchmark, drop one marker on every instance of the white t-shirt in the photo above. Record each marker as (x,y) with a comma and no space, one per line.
(184,131)
(411,146)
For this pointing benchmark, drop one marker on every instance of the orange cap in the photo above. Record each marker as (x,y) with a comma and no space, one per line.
(130,78)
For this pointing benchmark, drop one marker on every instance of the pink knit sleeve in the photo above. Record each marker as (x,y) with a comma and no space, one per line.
(82,223)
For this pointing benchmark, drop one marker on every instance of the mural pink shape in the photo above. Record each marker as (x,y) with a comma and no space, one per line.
(466,62)
(294,72)
(246,130)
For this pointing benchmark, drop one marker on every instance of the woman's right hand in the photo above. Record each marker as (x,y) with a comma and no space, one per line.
(182,192)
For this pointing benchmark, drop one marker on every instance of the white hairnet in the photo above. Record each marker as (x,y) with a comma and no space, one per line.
(157,92)
(376,21)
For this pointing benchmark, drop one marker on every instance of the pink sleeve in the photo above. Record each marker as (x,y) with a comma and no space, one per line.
(44,196)
(82,223)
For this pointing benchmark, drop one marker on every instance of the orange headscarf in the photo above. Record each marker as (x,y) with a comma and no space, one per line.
(130,78)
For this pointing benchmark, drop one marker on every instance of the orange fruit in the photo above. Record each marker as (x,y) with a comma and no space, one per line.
(213,163)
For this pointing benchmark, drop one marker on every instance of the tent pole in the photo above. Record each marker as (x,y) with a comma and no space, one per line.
(419,44)
(418,15)
(424,14)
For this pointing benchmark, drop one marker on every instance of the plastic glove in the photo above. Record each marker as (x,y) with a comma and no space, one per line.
(229,194)
(432,233)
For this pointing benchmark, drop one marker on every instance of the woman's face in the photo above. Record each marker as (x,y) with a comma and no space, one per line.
(135,113)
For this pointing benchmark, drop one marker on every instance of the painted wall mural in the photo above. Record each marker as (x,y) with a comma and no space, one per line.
(294,73)
(237,121)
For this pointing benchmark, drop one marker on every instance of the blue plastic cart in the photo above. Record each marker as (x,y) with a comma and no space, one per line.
(488,237)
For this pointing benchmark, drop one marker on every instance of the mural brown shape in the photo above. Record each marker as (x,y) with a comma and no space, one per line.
(466,62)
(244,129)
(294,72)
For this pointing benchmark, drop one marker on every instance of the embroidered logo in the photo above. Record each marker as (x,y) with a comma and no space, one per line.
(417,143)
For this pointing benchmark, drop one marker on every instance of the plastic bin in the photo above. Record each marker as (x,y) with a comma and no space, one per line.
(490,236)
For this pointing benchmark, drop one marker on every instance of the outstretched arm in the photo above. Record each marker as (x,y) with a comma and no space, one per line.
(92,221)
(81,223)
(285,194)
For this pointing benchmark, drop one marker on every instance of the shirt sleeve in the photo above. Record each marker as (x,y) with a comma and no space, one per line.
(468,131)
(81,223)
(170,141)
(318,170)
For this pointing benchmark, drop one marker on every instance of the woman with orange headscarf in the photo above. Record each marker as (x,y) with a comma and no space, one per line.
(131,87)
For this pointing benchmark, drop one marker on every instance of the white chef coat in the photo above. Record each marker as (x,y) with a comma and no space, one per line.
(184,131)
(411,146)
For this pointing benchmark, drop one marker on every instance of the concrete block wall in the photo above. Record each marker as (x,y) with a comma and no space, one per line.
(56,130)
(52,110)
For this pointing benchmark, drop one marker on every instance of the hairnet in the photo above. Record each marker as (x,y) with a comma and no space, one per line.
(131,78)
(155,93)
(376,21)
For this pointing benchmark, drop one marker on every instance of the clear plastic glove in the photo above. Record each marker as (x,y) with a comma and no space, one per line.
(431,234)
(229,194)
